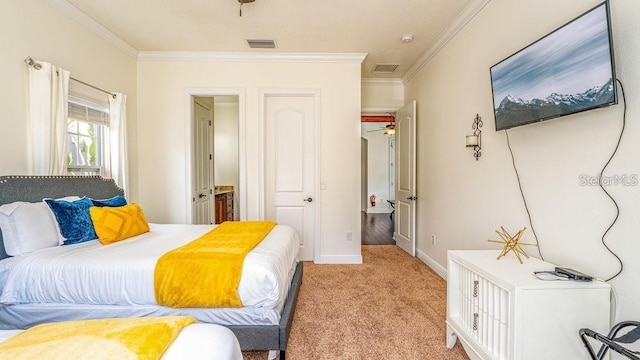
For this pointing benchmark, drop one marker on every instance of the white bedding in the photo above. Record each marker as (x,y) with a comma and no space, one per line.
(196,341)
(122,273)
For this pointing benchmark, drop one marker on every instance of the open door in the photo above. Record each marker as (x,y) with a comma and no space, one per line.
(405,212)
(203,212)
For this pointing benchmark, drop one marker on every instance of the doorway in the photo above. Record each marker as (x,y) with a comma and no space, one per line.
(216,166)
(377,181)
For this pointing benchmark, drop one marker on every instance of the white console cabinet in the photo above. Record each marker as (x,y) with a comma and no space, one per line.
(498,309)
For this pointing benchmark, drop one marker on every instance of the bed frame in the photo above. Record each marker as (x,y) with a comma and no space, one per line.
(35,188)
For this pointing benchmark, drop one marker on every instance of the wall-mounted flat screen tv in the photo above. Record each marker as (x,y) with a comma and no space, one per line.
(568,71)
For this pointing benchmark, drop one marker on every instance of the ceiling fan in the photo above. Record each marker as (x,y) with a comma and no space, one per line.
(244,2)
(390,129)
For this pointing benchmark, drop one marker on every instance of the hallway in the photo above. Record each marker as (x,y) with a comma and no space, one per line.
(377,229)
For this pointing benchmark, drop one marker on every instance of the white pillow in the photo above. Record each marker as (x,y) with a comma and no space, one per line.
(27,227)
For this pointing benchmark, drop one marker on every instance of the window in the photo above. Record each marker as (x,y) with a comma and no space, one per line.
(87,128)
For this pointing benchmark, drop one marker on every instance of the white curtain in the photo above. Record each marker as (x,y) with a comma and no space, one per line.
(48,95)
(116,156)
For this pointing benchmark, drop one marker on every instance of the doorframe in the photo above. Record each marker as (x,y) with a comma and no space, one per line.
(189,94)
(262,143)
(364,173)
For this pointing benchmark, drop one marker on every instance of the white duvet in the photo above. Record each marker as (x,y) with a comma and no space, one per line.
(196,341)
(122,273)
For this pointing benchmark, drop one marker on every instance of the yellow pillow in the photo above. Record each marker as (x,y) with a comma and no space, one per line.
(118,223)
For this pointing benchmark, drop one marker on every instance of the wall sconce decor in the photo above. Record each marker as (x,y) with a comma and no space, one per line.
(475,140)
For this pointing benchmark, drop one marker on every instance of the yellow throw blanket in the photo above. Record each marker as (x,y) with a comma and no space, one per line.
(134,338)
(206,272)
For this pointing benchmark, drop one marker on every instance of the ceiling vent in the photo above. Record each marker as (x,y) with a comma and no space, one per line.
(385,68)
(261,44)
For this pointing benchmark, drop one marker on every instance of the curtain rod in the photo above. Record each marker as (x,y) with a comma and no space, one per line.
(30,62)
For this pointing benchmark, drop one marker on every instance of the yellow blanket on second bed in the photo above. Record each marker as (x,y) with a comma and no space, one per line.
(206,272)
(134,338)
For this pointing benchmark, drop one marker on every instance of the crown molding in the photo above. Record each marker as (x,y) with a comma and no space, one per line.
(222,56)
(381,81)
(83,19)
(467,14)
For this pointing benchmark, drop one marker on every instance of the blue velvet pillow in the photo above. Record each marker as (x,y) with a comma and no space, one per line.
(115,201)
(74,220)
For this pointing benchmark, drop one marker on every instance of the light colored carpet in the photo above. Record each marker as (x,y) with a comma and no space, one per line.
(391,307)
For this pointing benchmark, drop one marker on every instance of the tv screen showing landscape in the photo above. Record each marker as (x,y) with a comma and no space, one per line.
(568,71)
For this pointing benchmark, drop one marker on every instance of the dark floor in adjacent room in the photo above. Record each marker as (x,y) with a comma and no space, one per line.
(377,229)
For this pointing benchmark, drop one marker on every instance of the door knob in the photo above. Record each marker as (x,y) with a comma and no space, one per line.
(412,198)
(308,199)
(200,196)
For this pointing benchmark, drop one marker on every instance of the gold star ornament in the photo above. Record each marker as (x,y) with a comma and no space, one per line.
(511,243)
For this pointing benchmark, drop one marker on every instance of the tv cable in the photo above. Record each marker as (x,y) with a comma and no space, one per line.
(624,122)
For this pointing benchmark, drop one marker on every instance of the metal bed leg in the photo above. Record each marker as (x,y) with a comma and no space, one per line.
(282,355)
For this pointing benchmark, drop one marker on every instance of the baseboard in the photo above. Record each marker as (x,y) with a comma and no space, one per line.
(340,259)
(378,211)
(439,269)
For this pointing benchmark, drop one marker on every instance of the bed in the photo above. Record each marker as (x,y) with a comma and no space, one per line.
(257,326)
(196,341)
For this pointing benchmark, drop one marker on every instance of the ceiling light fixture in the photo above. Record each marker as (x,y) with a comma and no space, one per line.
(407,38)
(244,2)
(390,129)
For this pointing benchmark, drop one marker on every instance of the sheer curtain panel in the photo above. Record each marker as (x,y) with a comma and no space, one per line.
(48,96)
(116,164)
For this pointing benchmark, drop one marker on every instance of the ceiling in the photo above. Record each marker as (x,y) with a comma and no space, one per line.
(374,27)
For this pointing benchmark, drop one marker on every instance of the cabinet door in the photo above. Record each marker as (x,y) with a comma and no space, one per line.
(221,208)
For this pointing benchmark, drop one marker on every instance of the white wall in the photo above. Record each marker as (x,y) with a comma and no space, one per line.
(163,136)
(462,201)
(34,28)
(382,95)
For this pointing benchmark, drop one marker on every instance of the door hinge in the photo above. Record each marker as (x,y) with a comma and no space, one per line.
(210,157)
(194,200)
(209,122)
(210,191)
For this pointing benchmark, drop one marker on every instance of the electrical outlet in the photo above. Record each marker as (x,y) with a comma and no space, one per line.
(433,239)
(349,236)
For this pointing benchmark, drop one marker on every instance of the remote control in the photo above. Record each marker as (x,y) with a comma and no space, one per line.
(574,274)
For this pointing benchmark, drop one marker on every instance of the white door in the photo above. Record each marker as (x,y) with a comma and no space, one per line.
(405,215)
(203,163)
(290,166)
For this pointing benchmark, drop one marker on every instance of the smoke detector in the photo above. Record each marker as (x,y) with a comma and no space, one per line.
(407,38)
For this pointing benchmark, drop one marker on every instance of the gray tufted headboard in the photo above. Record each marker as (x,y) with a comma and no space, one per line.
(36,188)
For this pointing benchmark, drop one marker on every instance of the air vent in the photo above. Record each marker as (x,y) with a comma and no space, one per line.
(261,44)
(385,68)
